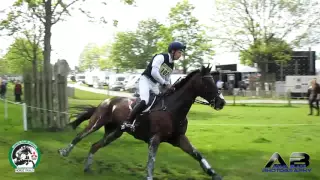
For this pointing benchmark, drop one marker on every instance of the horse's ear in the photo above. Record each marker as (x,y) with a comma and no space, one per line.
(209,68)
(202,70)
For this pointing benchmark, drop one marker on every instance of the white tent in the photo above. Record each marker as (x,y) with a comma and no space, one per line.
(246,69)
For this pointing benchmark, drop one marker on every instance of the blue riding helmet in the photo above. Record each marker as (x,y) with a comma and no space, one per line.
(176,46)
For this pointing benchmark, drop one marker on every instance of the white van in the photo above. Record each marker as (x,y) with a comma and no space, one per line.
(80,78)
(133,84)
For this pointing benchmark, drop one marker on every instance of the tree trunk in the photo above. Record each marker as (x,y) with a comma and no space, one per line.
(263,77)
(35,123)
(47,86)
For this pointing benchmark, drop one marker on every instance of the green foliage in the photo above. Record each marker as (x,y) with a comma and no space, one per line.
(271,49)
(3,66)
(166,37)
(133,50)
(186,28)
(93,57)
(265,29)
(147,38)
(124,51)
(20,55)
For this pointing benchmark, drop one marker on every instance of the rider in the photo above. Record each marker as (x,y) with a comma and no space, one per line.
(157,73)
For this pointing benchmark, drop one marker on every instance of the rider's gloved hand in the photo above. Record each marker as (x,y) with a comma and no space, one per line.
(166,85)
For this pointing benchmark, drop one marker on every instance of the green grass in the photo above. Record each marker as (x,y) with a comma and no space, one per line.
(85,95)
(237,152)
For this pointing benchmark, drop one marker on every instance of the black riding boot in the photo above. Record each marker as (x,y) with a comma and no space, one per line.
(135,111)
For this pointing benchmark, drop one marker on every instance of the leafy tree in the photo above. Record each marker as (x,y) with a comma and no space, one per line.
(275,50)
(89,57)
(148,38)
(266,30)
(46,13)
(123,52)
(133,50)
(93,57)
(3,67)
(186,28)
(21,55)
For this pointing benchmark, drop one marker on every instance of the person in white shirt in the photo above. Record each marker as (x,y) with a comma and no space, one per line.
(156,74)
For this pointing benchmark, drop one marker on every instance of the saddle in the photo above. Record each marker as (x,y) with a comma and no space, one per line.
(153,98)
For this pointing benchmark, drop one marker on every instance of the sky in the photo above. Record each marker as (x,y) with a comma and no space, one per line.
(69,37)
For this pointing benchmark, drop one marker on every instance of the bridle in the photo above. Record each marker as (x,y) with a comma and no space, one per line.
(212,102)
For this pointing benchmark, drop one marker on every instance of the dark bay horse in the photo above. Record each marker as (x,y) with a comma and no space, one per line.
(164,122)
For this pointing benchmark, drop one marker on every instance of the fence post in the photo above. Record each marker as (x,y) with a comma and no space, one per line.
(234,97)
(5,109)
(25,122)
(289,97)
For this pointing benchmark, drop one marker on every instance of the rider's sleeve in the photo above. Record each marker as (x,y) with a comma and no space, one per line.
(167,79)
(155,72)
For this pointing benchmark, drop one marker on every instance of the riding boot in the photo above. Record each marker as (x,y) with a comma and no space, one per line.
(135,111)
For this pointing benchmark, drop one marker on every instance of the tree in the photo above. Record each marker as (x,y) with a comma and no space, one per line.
(47,13)
(186,28)
(21,56)
(3,67)
(147,37)
(93,57)
(266,30)
(275,50)
(90,57)
(133,50)
(123,52)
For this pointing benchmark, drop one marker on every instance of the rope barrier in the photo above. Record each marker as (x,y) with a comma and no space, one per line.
(24,111)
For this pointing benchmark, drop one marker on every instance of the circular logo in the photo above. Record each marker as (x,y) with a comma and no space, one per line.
(24,156)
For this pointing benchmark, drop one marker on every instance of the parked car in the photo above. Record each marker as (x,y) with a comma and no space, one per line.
(116,86)
(133,85)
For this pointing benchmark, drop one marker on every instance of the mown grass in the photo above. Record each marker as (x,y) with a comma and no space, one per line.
(237,151)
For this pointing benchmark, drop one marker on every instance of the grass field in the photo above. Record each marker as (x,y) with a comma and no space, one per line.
(237,151)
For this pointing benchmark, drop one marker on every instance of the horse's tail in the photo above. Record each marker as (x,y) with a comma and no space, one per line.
(87,112)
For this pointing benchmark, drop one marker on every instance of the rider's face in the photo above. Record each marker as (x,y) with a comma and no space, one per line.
(177,55)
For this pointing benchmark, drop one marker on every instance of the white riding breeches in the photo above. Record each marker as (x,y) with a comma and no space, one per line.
(145,85)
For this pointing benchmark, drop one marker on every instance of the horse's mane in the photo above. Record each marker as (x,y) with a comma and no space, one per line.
(184,80)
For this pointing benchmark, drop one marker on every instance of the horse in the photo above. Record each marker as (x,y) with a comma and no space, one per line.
(163,121)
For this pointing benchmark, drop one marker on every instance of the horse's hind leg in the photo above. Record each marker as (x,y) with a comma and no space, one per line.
(183,143)
(94,124)
(107,139)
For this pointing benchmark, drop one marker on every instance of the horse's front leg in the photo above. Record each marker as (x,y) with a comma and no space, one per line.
(183,143)
(153,148)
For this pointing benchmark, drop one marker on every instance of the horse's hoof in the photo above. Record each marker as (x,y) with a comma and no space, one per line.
(216,177)
(63,152)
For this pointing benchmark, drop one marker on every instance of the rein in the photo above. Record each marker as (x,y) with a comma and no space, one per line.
(201,102)
(197,101)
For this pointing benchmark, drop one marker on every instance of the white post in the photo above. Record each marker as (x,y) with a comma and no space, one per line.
(25,122)
(5,109)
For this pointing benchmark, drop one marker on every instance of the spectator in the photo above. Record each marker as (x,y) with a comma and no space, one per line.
(18,91)
(314,96)
(3,88)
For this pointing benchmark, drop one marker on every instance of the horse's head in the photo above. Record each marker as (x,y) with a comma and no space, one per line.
(207,89)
